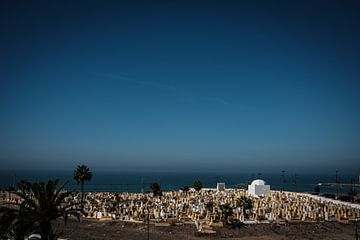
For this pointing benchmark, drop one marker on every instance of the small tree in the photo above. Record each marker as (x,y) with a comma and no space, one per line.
(226,212)
(317,189)
(352,194)
(198,185)
(185,189)
(156,189)
(209,206)
(245,203)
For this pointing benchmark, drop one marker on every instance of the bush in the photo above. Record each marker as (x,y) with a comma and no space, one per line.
(156,189)
(198,185)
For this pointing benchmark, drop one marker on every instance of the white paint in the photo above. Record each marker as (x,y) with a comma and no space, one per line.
(258,188)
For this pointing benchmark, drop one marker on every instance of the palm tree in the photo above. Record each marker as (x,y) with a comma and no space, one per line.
(40,205)
(15,223)
(81,174)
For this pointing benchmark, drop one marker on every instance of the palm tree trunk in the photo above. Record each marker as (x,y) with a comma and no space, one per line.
(45,228)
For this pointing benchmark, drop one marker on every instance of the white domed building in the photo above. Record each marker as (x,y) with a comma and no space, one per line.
(258,188)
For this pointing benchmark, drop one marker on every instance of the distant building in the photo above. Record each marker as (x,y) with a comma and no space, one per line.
(258,188)
(220,186)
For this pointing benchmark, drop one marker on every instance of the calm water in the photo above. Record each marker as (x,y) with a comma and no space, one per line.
(135,182)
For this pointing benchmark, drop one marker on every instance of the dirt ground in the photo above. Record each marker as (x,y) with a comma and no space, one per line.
(92,229)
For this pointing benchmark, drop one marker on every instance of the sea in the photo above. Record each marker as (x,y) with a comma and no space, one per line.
(140,181)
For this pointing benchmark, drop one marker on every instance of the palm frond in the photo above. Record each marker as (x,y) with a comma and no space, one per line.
(41,203)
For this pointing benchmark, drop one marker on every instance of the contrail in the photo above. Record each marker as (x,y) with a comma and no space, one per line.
(161,86)
(131,80)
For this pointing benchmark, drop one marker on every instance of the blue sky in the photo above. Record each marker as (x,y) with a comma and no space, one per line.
(180,85)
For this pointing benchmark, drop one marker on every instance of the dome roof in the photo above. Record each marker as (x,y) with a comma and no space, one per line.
(258,182)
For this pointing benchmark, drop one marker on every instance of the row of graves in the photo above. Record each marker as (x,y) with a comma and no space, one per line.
(204,208)
(297,207)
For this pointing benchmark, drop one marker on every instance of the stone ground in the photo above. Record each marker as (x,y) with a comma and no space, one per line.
(93,229)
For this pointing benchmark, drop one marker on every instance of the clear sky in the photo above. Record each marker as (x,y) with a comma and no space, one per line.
(180,85)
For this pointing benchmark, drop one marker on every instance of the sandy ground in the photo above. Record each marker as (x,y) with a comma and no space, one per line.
(92,229)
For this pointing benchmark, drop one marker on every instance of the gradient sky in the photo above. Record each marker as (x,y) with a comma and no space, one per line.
(180,85)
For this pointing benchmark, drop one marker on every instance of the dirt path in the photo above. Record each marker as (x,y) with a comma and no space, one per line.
(91,229)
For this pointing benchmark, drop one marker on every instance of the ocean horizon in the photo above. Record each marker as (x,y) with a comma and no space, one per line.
(107,181)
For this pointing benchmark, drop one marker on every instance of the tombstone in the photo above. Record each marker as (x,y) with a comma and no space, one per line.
(270,216)
(242,217)
(197,225)
(326,216)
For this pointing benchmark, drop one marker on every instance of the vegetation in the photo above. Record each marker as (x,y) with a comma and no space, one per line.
(226,213)
(41,203)
(82,174)
(198,185)
(352,194)
(15,224)
(317,189)
(209,206)
(156,189)
(245,203)
(185,189)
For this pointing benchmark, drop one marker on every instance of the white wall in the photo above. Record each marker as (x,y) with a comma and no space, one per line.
(258,190)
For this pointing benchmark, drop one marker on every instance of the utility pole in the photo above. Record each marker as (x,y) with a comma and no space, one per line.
(142,185)
(337,184)
(14,177)
(283,180)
